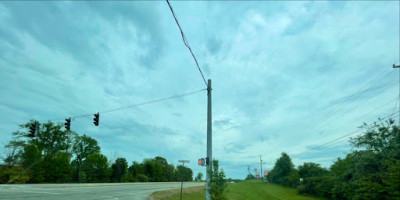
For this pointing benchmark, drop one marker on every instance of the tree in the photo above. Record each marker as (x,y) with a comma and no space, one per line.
(217,182)
(13,153)
(250,177)
(310,169)
(32,163)
(283,168)
(199,176)
(315,180)
(183,173)
(83,146)
(119,169)
(370,171)
(95,168)
(57,168)
(35,153)
(169,172)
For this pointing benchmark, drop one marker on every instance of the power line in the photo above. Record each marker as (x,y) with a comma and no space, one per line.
(322,146)
(360,91)
(136,105)
(354,108)
(186,42)
(395,105)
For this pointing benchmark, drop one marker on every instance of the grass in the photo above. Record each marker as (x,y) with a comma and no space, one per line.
(193,193)
(245,190)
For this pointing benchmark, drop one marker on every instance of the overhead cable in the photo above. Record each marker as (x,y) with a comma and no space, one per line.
(186,42)
(136,105)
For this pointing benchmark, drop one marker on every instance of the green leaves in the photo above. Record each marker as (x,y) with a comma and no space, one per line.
(217,182)
(58,156)
(282,170)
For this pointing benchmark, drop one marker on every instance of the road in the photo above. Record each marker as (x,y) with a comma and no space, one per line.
(136,191)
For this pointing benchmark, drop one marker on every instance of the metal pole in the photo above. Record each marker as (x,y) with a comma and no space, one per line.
(262,173)
(209,142)
(183,168)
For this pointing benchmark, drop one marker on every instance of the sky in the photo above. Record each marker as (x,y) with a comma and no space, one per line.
(287,76)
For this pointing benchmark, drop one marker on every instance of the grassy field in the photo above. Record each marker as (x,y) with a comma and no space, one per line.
(245,190)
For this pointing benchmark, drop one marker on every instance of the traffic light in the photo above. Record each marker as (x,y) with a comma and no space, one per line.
(96,119)
(207,161)
(68,124)
(202,162)
(32,130)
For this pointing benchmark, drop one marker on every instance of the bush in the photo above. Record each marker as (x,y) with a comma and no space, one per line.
(13,175)
(217,182)
(142,178)
(292,180)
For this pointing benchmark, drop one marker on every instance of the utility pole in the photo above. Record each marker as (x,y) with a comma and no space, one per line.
(209,142)
(183,163)
(262,173)
(398,66)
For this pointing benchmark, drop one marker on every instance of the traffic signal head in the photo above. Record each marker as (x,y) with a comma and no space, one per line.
(96,119)
(32,130)
(207,161)
(68,124)
(202,162)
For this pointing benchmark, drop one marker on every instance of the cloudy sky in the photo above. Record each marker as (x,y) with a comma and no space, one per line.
(287,76)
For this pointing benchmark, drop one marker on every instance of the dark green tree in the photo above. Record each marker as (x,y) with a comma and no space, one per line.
(82,147)
(57,168)
(310,169)
(283,168)
(95,169)
(119,169)
(183,173)
(32,163)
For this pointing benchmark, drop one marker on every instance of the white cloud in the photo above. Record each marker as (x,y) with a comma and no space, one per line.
(277,69)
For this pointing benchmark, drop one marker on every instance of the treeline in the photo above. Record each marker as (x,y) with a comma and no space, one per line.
(370,171)
(59,156)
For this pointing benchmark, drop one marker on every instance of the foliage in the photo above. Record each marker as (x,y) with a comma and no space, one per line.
(217,182)
(55,155)
(310,169)
(183,173)
(58,168)
(199,177)
(370,171)
(250,177)
(283,172)
(95,168)
(118,169)
(13,175)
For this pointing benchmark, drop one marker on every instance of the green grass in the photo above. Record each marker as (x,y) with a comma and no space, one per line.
(193,193)
(258,190)
(245,190)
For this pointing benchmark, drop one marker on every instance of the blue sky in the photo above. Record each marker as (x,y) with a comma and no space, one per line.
(284,75)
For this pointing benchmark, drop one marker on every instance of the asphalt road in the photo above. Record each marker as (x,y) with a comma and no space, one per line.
(137,191)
